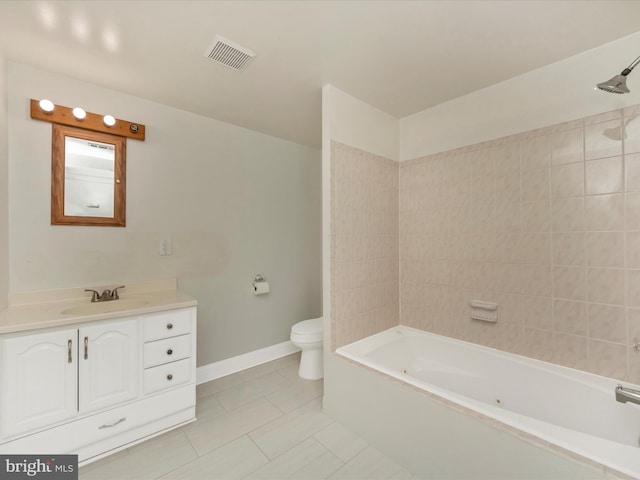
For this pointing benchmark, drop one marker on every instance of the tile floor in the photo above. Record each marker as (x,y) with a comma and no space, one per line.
(262,423)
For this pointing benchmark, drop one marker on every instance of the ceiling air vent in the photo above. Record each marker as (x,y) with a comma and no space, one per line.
(229,53)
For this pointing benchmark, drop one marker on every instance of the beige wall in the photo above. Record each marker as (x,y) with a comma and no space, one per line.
(364,288)
(233,202)
(4,197)
(545,224)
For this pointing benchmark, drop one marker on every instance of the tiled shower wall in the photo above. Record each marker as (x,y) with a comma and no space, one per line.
(364,238)
(546,224)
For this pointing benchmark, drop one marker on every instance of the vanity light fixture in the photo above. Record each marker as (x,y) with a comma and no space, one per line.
(79,113)
(47,106)
(47,111)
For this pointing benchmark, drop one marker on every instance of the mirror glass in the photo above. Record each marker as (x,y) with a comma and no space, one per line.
(88,178)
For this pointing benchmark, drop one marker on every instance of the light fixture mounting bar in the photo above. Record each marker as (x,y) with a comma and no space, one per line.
(93,121)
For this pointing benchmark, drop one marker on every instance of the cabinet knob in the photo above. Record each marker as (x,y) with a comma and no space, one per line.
(169,352)
(169,326)
(169,377)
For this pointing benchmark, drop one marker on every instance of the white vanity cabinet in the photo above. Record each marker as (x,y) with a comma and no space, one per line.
(39,375)
(107,364)
(167,351)
(97,387)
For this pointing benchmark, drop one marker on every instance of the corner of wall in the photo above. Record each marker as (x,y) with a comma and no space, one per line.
(358,124)
(359,127)
(326,218)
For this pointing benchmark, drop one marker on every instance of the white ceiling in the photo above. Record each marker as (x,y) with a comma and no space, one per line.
(400,56)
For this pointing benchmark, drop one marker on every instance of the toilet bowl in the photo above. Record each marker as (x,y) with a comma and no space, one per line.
(308,337)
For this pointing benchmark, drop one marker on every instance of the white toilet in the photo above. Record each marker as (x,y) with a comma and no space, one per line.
(308,336)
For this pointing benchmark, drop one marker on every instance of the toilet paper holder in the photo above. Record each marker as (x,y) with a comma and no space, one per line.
(260,285)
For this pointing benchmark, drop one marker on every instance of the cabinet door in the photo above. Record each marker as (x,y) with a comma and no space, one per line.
(108,364)
(39,375)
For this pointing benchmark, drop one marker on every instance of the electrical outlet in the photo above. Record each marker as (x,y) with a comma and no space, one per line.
(164,248)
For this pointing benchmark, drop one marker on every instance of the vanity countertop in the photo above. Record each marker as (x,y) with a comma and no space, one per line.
(56,313)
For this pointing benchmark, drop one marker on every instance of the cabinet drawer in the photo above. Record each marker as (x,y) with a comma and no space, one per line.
(167,324)
(73,436)
(167,376)
(167,350)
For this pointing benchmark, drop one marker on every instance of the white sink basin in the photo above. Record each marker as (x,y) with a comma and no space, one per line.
(105,307)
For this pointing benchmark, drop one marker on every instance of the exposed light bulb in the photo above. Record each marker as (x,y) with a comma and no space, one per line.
(47,106)
(79,113)
(109,120)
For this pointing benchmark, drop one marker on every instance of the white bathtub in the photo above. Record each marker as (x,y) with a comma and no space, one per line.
(574,410)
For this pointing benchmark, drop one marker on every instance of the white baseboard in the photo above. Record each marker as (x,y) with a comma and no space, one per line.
(231,365)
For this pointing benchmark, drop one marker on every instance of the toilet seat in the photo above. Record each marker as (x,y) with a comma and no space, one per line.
(307,330)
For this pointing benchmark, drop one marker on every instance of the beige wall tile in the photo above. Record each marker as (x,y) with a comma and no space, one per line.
(536,216)
(567,215)
(536,248)
(608,359)
(508,217)
(539,344)
(534,153)
(570,283)
(509,278)
(633,288)
(633,324)
(606,285)
(604,212)
(605,249)
(604,176)
(570,317)
(632,130)
(524,221)
(603,139)
(571,351)
(567,146)
(634,366)
(569,248)
(536,280)
(509,337)
(506,158)
(461,274)
(365,235)
(632,171)
(632,247)
(607,322)
(511,307)
(535,185)
(508,246)
(567,180)
(632,205)
(507,188)
(537,312)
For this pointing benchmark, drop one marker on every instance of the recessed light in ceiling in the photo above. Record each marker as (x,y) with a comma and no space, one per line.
(229,53)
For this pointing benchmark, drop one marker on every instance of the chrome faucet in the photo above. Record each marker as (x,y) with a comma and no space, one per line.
(106,296)
(624,395)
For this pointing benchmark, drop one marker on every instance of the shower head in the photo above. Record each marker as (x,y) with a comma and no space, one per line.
(618,84)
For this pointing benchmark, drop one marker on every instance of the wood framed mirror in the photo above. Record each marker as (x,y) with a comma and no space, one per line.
(88,177)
